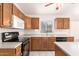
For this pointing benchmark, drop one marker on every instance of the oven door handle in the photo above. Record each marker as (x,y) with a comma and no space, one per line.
(25,43)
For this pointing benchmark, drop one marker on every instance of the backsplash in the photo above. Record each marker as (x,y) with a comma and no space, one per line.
(10,30)
(37,31)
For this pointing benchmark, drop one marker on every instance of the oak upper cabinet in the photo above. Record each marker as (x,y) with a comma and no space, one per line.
(62,23)
(34,23)
(0,14)
(5,14)
(20,15)
(31,22)
(59,23)
(17,12)
(66,23)
(27,22)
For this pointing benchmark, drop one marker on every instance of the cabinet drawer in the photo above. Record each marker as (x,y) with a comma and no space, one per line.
(52,38)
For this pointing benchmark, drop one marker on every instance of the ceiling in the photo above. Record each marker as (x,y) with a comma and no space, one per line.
(39,8)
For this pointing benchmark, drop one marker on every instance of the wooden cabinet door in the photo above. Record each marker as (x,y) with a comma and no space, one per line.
(35,23)
(44,44)
(50,43)
(0,14)
(7,14)
(66,23)
(11,51)
(35,43)
(59,51)
(70,39)
(59,23)
(17,12)
(27,22)
(39,43)
(18,51)
(20,14)
(7,52)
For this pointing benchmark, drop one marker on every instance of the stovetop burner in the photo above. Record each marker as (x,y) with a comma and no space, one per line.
(12,37)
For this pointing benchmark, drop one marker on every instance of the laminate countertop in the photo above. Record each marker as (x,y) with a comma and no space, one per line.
(46,35)
(10,44)
(71,48)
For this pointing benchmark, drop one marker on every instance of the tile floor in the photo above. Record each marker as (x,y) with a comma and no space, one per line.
(42,53)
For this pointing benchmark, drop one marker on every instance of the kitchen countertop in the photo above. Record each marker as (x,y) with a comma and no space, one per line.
(9,44)
(71,48)
(46,35)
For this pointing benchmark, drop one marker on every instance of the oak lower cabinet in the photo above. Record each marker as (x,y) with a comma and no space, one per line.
(70,39)
(50,43)
(43,43)
(59,51)
(10,51)
(36,43)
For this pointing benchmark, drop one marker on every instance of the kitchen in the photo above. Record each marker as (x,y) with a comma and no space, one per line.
(43,30)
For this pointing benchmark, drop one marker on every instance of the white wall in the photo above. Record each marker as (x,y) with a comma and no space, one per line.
(75,29)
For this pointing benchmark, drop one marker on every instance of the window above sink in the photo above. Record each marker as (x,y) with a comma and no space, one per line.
(46,26)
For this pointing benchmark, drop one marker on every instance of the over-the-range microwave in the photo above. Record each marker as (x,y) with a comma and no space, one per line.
(17,22)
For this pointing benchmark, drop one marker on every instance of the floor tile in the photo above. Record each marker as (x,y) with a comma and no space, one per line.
(42,53)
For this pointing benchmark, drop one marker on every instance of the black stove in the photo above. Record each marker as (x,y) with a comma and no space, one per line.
(14,37)
(10,37)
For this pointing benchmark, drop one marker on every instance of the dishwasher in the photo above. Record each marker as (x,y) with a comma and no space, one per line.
(61,39)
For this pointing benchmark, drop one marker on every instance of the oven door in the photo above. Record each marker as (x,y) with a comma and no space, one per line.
(26,48)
